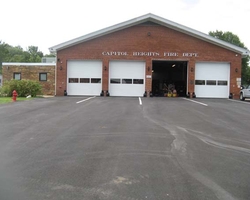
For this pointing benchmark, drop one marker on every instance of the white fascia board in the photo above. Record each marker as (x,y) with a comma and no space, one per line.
(28,64)
(158,20)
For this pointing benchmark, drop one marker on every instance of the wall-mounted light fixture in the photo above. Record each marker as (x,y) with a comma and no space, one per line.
(58,59)
(148,68)
(236,70)
(192,69)
(61,68)
(105,68)
(173,65)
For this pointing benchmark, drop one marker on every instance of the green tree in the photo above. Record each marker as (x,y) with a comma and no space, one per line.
(16,54)
(50,55)
(3,54)
(35,54)
(9,53)
(234,39)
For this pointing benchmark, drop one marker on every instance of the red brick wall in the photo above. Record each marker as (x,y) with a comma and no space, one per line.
(136,39)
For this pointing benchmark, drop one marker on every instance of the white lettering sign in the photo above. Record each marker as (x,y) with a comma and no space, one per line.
(148,53)
(190,54)
(114,53)
(173,54)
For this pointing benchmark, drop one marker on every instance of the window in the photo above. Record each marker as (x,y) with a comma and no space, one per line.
(199,82)
(95,80)
(115,81)
(137,81)
(211,82)
(84,80)
(73,80)
(222,82)
(42,76)
(17,76)
(126,81)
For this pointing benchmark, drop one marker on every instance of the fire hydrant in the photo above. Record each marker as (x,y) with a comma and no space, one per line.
(14,95)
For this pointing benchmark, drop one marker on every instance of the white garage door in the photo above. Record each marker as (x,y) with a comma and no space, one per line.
(84,77)
(212,80)
(126,78)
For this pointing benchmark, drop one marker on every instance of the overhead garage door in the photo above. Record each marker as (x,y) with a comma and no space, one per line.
(84,77)
(126,78)
(212,80)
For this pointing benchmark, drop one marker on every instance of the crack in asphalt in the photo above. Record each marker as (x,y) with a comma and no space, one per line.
(179,148)
(214,143)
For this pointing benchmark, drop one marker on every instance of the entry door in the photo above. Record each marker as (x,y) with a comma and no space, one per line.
(126,78)
(84,77)
(212,80)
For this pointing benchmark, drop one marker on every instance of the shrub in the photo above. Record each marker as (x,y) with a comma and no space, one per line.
(1,92)
(23,87)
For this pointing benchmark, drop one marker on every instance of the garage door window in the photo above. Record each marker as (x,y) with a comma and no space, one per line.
(73,80)
(199,82)
(115,81)
(211,82)
(137,81)
(95,80)
(126,81)
(222,83)
(84,80)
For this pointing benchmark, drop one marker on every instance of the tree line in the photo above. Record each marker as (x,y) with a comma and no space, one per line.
(234,39)
(10,53)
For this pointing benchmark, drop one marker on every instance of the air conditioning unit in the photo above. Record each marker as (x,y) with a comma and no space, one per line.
(48,59)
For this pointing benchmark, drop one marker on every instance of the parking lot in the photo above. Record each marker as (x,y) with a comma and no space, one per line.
(125,148)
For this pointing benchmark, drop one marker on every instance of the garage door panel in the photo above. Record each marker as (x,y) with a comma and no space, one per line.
(83,89)
(121,90)
(84,69)
(212,80)
(84,77)
(126,78)
(212,71)
(211,91)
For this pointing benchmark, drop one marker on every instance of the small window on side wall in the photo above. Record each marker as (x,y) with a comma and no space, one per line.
(17,76)
(42,76)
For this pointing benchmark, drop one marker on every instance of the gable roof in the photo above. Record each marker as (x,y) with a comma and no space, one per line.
(155,19)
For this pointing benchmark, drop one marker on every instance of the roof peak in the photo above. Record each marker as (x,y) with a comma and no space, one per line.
(155,19)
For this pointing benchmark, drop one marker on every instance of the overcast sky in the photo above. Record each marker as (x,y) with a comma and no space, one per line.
(46,23)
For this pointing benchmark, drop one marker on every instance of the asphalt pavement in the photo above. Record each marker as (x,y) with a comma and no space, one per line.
(119,148)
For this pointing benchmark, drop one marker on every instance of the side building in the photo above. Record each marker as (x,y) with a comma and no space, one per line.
(42,72)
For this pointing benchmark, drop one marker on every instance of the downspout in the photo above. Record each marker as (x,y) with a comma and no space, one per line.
(56,74)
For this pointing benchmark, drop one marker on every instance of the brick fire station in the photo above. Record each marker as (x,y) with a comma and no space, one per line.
(148,56)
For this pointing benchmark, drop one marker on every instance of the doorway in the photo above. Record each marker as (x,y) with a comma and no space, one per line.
(169,77)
